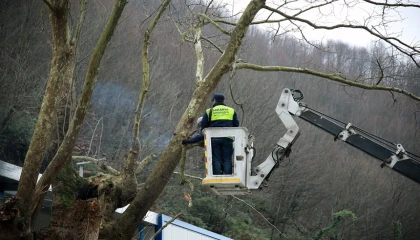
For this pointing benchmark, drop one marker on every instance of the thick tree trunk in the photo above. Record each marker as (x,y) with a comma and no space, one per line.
(76,211)
(125,226)
(63,154)
(64,108)
(47,117)
(79,221)
(66,103)
(28,195)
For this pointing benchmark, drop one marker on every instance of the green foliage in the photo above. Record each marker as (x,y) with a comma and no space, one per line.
(220,214)
(397,229)
(242,229)
(67,200)
(261,204)
(67,192)
(343,215)
(338,217)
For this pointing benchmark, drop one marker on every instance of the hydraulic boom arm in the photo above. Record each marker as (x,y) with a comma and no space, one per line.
(391,155)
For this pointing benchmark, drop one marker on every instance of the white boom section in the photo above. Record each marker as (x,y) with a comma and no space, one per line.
(285,107)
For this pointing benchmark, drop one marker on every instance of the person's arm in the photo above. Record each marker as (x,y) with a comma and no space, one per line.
(194,139)
(205,122)
(235,120)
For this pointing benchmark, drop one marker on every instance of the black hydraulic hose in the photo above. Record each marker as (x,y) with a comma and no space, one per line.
(367,134)
(254,153)
(385,142)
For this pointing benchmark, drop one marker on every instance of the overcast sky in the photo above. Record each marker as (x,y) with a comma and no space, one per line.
(409,27)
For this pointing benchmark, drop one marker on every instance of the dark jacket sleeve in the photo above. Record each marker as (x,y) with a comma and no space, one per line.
(196,138)
(235,120)
(205,121)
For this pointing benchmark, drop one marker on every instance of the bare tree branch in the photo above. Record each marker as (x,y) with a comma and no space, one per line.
(332,77)
(267,20)
(214,23)
(49,4)
(129,171)
(381,72)
(395,42)
(81,18)
(392,4)
(208,6)
(190,176)
(253,23)
(183,179)
(184,36)
(144,162)
(212,43)
(199,54)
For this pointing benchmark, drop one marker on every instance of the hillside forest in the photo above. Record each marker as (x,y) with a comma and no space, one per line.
(121,84)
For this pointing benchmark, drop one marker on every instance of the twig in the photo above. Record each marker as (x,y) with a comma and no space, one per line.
(183,179)
(81,18)
(190,176)
(93,135)
(213,44)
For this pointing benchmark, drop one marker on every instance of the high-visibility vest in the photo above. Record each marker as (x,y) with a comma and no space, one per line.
(220,112)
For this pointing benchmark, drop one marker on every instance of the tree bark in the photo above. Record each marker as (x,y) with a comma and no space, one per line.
(86,227)
(76,211)
(63,154)
(28,195)
(47,117)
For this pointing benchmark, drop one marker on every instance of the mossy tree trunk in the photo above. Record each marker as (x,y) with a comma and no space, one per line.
(65,103)
(76,210)
(47,116)
(63,154)
(30,193)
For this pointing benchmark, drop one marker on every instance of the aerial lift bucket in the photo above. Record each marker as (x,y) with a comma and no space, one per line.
(235,183)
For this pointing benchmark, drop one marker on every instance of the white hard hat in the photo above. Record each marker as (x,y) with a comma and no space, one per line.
(199,120)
